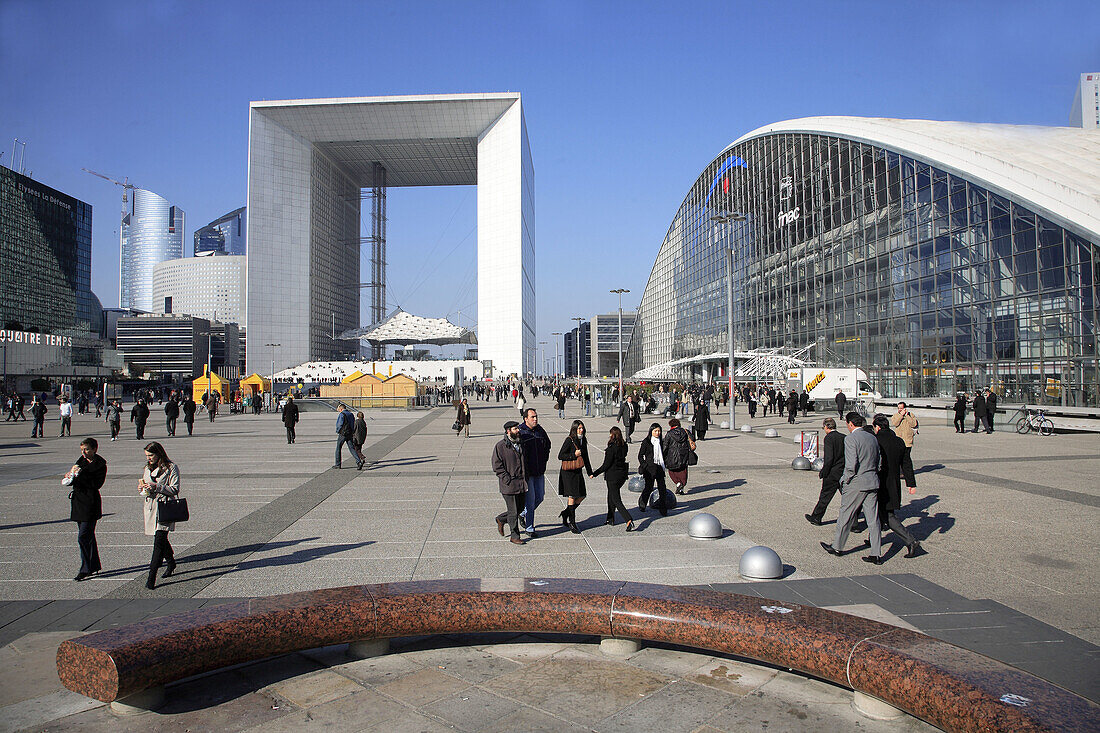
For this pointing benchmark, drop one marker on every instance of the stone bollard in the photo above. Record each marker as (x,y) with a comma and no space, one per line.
(140,702)
(615,647)
(368,648)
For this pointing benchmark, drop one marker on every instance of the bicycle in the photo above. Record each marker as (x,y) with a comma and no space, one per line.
(1035,422)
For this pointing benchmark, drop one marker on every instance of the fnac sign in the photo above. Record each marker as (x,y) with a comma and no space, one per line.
(815,381)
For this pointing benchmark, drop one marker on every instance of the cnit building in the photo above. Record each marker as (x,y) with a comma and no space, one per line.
(937,256)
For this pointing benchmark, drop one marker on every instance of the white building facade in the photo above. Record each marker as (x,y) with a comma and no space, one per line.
(204,287)
(309,163)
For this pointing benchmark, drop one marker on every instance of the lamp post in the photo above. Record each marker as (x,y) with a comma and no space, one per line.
(556,333)
(579,321)
(273,347)
(620,292)
(543,359)
(725,218)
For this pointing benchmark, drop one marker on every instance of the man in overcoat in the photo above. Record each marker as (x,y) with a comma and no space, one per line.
(831,471)
(508,465)
(858,488)
(87,477)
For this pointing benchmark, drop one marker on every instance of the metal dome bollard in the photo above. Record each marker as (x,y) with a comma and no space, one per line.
(798,439)
(818,464)
(771,433)
(746,428)
(636,484)
(801,464)
(725,425)
(760,562)
(704,526)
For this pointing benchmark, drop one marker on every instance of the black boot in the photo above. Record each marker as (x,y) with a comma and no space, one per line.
(610,519)
(572,517)
(564,517)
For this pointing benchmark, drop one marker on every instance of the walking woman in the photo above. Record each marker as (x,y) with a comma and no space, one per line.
(615,470)
(85,479)
(574,459)
(677,446)
(160,481)
(463,418)
(651,464)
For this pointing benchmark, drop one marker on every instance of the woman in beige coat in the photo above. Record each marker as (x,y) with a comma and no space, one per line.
(160,481)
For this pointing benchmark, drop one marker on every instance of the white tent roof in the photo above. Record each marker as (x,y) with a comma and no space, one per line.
(403,328)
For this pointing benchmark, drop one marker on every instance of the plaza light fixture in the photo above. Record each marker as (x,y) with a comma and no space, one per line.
(725,218)
(620,292)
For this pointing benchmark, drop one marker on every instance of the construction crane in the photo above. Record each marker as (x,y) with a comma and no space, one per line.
(126,188)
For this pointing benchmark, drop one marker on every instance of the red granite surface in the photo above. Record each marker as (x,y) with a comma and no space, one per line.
(948,686)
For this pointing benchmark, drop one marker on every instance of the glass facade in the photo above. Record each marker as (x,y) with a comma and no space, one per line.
(928,281)
(152,232)
(223,236)
(581,335)
(45,259)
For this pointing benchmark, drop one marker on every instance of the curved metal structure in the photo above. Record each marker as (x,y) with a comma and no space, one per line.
(936,256)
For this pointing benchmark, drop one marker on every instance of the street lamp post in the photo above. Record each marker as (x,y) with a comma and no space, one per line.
(726,218)
(273,347)
(556,333)
(620,292)
(543,360)
(579,321)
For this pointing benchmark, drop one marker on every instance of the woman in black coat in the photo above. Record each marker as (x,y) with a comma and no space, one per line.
(960,413)
(792,406)
(701,422)
(651,464)
(894,463)
(615,471)
(86,478)
(571,481)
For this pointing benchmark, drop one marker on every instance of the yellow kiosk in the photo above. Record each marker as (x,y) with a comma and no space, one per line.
(254,384)
(209,382)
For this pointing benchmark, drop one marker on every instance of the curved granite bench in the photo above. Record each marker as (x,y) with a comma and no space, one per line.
(943,684)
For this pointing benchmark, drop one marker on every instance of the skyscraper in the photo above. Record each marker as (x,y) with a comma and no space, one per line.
(1086,102)
(152,232)
(223,236)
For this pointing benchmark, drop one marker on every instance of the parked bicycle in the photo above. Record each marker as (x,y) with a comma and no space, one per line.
(1035,422)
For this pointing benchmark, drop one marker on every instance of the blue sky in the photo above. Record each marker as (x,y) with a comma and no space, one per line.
(625,103)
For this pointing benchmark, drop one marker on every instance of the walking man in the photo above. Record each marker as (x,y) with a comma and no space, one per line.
(858,488)
(841,402)
(290,418)
(508,466)
(979,412)
(626,415)
(66,410)
(38,412)
(171,413)
(189,408)
(905,425)
(114,418)
(345,431)
(139,413)
(894,464)
(535,444)
(830,472)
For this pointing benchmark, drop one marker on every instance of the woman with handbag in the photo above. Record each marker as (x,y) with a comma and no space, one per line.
(161,481)
(574,459)
(615,470)
(462,421)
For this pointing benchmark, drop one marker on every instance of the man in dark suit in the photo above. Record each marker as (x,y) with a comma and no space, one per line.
(841,402)
(990,409)
(171,413)
(979,412)
(189,413)
(830,473)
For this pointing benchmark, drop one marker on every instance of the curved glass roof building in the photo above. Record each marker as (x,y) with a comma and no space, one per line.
(152,232)
(936,256)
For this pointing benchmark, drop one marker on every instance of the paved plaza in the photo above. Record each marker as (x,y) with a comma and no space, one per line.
(1009,522)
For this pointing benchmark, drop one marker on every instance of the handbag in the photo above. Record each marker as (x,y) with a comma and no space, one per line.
(573,465)
(456,427)
(172,510)
(693,458)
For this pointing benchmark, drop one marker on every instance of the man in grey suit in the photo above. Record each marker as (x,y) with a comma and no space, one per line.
(858,488)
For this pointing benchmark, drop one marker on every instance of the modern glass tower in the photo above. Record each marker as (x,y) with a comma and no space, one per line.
(152,232)
(936,256)
(223,236)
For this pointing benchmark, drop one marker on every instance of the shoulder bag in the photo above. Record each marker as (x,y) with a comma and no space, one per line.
(575,464)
